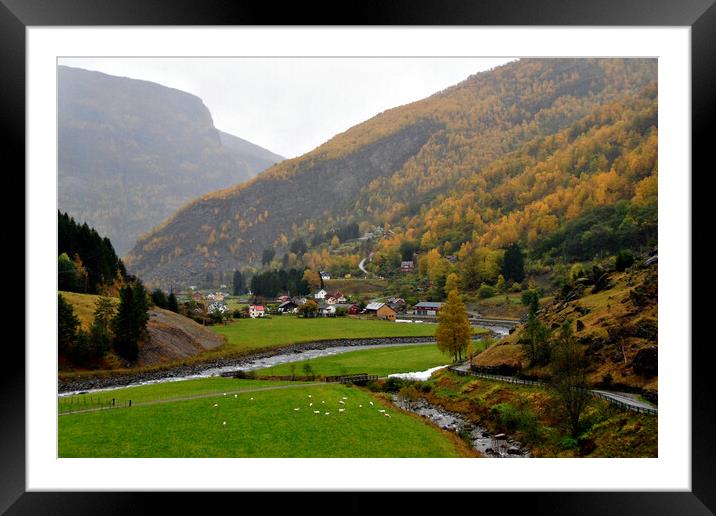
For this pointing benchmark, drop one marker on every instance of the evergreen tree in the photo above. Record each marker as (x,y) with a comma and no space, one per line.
(267,256)
(104,312)
(238,283)
(159,298)
(99,339)
(172,303)
(513,265)
(67,324)
(67,275)
(130,323)
(453,332)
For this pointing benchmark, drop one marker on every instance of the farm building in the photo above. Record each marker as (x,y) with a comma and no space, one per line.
(321,294)
(407,266)
(381,311)
(289,306)
(427,308)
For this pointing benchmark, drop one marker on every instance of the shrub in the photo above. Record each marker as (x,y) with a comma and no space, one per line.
(568,443)
(624,260)
(486,291)
(394,384)
(512,418)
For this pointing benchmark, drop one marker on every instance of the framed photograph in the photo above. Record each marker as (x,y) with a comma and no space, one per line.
(399,255)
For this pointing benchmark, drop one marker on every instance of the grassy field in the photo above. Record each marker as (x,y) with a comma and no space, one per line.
(83,306)
(286,329)
(381,361)
(357,286)
(256,424)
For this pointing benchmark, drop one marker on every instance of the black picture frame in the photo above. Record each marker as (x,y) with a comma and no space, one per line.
(16,15)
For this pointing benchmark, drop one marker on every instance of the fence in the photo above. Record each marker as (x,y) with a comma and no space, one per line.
(72,404)
(610,398)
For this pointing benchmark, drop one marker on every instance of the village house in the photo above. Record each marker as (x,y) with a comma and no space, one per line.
(396,303)
(198,297)
(218,307)
(289,306)
(325,275)
(327,310)
(256,311)
(427,308)
(336,297)
(407,266)
(381,311)
(321,294)
(350,308)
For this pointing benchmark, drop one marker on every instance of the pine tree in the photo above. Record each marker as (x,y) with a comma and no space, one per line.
(238,283)
(130,323)
(569,375)
(513,265)
(453,331)
(172,303)
(67,324)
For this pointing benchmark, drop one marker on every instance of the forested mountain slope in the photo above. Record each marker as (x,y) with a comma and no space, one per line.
(132,152)
(511,154)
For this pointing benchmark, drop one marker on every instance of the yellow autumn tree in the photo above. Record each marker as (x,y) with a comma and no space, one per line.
(453,331)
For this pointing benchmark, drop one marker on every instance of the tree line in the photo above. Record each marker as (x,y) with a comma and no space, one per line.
(115,326)
(87,262)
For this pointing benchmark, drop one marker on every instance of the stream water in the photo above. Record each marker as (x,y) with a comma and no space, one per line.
(484,442)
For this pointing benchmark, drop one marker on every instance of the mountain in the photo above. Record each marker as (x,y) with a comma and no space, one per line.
(132,152)
(512,154)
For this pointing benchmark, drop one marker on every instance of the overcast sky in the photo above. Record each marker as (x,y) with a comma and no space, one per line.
(292,105)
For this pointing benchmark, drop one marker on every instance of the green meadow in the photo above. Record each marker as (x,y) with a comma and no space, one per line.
(288,329)
(380,361)
(253,423)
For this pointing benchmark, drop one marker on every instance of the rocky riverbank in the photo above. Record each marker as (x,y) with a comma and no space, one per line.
(211,367)
(484,442)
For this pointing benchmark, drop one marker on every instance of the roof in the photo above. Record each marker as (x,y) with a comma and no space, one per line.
(428,304)
(407,264)
(374,306)
(258,307)
(289,302)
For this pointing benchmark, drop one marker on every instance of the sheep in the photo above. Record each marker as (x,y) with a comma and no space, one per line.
(342,402)
(316,411)
(341,410)
(297,409)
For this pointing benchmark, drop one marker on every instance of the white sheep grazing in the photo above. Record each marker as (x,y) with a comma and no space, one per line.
(224,394)
(322,401)
(310,404)
(236,395)
(341,410)
(216,404)
(370,402)
(316,411)
(342,402)
(328,413)
(224,423)
(252,399)
(297,409)
(344,398)
(360,406)
(381,410)
(310,396)
(386,415)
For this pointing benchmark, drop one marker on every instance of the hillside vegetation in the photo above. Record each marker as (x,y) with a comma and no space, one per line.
(616,327)
(132,152)
(508,155)
(170,336)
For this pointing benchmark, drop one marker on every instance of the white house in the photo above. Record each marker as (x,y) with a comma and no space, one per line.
(256,311)
(321,294)
(325,275)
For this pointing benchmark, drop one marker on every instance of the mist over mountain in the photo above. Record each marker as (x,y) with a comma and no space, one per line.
(132,152)
(508,155)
